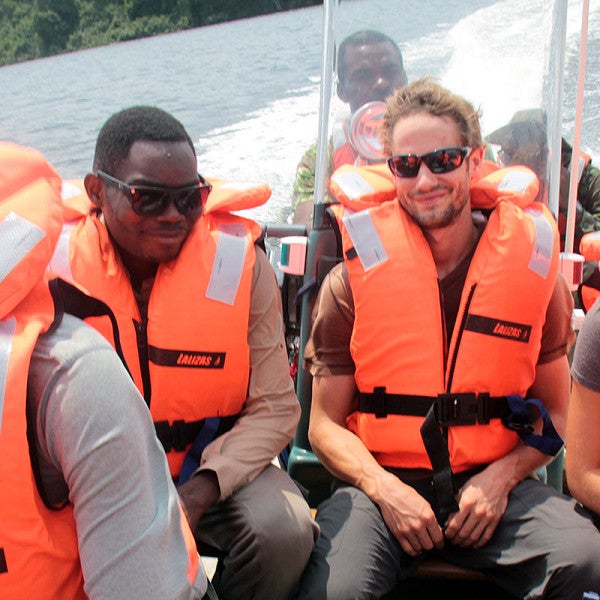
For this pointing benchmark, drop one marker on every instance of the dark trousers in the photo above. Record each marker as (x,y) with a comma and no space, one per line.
(545,546)
(263,534)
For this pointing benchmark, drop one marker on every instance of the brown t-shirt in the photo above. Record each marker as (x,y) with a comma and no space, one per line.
(328,349)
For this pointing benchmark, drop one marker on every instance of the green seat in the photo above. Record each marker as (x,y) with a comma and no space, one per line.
(302,465)
(305,468)
(555,471)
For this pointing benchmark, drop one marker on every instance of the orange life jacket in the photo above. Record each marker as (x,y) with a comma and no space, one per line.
(194,346)
(344,155)
(393,274)
(39,555)
(356,140)
(590,250)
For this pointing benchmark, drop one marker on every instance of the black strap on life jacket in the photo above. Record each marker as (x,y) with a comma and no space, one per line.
(439,412)
(70,299)
(3,565)
(444,486)
(180,434)
(466,408)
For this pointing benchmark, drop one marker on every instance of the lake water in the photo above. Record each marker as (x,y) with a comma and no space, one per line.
(248,91)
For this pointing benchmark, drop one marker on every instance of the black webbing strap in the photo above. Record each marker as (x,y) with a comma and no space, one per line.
(465,408)
(70,299)
(444,486)
(3,565)
(180,434)
(462,408)
(441,411)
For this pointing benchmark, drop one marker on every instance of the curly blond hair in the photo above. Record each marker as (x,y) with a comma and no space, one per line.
(426,96)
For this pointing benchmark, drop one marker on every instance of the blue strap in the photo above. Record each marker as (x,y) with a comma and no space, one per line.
(520,419)
(305,288)
(192,458)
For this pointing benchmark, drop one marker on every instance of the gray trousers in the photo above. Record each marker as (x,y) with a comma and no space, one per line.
(545,546)
(264,534)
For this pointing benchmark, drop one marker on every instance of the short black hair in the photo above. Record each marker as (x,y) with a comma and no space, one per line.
(130,125)
(358,38)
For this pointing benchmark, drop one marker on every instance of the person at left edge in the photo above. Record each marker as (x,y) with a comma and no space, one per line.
(199,316)
(76,521)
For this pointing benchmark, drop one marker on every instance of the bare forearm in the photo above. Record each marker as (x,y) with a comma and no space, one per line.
(408,515)
(345,455)
(583,455)
(517,465)
(586,488)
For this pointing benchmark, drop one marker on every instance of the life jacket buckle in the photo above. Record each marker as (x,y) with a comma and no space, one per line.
(462,408)
(178,435)
(173,437)
(380,402)
(521,415)
(524,427)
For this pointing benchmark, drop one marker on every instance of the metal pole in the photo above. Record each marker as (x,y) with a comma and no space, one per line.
(556,74)
(574,179)
(322,165)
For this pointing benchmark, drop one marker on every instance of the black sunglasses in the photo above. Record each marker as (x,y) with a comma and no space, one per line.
(439,161)
(152,201)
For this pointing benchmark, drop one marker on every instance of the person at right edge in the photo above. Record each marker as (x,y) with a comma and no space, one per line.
(583,458)
(440,372)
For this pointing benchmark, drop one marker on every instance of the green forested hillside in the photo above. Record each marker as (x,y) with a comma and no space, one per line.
(46,27)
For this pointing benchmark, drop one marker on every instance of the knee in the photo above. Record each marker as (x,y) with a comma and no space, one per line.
(272,522)
(287,535)
(322,582)
(577,568)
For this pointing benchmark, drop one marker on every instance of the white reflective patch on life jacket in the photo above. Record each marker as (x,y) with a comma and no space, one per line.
(69,190)
(365,238)
(352,184)
(7,334)
(59,263)
(17,237)
(227,267)
(238,186)
(543,248)
(516,181)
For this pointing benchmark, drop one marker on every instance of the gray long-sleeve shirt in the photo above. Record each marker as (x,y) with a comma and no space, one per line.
(586,356)
(97,448)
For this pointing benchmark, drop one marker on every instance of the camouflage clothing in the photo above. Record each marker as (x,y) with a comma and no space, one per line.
(304,184)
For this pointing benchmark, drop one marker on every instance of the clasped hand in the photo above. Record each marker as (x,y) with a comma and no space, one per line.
(482,502)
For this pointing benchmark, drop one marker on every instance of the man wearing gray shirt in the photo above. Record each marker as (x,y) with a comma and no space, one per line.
(88,509)
(583,441)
